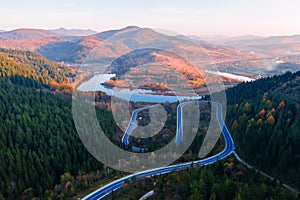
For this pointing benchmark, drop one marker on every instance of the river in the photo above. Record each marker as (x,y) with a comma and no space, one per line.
(232,76)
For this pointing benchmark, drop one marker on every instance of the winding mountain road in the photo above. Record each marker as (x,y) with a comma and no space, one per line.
(133,125)
(179,129)
(228,150)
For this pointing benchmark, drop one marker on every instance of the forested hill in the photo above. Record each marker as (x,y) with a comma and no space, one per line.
(264,118)
(287,84)
(30,69)
(41,154)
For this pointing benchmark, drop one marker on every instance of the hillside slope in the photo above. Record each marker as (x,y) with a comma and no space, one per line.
(31,67)
(40,151)
(264,118)
(87,49)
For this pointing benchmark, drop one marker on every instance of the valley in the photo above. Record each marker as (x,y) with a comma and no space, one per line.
(43,155)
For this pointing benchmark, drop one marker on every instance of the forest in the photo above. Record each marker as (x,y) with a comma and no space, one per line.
(264,119)
(225,180)
(30,69)
(42,156)
(40,151)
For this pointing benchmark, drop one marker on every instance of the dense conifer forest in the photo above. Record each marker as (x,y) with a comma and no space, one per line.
(264,119)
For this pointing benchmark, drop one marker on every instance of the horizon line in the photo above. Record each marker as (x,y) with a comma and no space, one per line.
(125,26)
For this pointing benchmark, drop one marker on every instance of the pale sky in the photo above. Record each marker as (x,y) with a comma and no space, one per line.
(192,17)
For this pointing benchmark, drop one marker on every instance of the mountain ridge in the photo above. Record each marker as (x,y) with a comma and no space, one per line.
(49,44)
(238,53)
(107,34)
(74,32)
(26,33)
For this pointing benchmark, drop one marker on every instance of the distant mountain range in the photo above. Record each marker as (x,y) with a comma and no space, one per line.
(274,46)
(71,46)
(27,34)
(78,46)
(220,38)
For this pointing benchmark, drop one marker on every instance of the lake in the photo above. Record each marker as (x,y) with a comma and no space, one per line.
(137,95)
